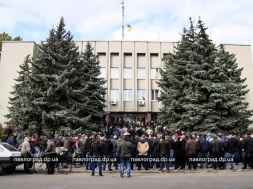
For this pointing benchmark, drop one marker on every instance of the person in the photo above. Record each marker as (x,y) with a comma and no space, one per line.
(97,154)
(125,150)
(68,144)
(108,148)
(118,143)
(203,147)
(10,140)
(230,147)
(87,148)
(36,145)
(26,153)
(8,131)
(143,147)
(50,152)
(57,141)
(215,149)
(4,138)
(191,151)
(163,148)
(178,153)
(248,148)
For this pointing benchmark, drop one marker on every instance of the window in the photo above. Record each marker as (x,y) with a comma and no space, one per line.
(127,73)
(128,95)
(154,73)
(154,95)
(102,73)
(114,94)
(141,73)
(141,94)
(115,73)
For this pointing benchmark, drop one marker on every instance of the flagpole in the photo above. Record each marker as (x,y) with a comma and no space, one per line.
(123,28)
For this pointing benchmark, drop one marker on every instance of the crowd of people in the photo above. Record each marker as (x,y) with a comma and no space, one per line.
(144,147)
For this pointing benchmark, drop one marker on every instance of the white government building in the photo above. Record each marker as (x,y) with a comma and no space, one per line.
(131,71)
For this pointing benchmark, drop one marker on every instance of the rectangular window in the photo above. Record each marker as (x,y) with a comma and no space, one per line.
(141,94)
(127,73)
(154,95)
(102,73)
(141,73)
(128,95)
(114,94)
(154,73)
(115,73)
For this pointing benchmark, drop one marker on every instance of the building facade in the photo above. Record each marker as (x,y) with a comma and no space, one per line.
(131,69)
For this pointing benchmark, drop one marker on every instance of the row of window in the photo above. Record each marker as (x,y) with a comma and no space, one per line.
(141,73)
(127,95)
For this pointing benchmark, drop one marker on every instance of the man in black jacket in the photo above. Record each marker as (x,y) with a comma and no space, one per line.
(97,154)
(108,148)
(215,151)
(230,147)
(125,150)
(248,148)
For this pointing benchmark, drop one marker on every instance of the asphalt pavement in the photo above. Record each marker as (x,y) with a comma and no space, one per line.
(197,180)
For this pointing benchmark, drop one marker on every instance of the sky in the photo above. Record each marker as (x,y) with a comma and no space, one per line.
(228,21)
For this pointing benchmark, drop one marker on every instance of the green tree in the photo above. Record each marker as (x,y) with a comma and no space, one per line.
(6,37)
(53,77)
(197,87)
(88,71)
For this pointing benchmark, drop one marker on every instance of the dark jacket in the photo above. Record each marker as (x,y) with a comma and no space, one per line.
(248,144)
(87,145)
(231,145)
(191,147)
(215,147)
(125,149)
(96,148)
(178,147)
(107,147)
(57,142)
(203,146)
(10,141)
(171,141)
(33,148)
(183,144)
(163,147)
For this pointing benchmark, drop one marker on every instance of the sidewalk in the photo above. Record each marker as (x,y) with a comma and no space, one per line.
(20,168)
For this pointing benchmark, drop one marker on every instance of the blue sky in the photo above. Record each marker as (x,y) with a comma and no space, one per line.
(229,22)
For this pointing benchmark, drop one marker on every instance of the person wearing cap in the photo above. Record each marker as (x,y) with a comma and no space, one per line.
(26,153)
(125,150)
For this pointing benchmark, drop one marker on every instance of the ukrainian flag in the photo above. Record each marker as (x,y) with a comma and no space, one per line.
(129,28)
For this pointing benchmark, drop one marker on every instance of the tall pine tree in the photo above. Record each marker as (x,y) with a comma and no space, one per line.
(52,77)
(197,87)
(88,71)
